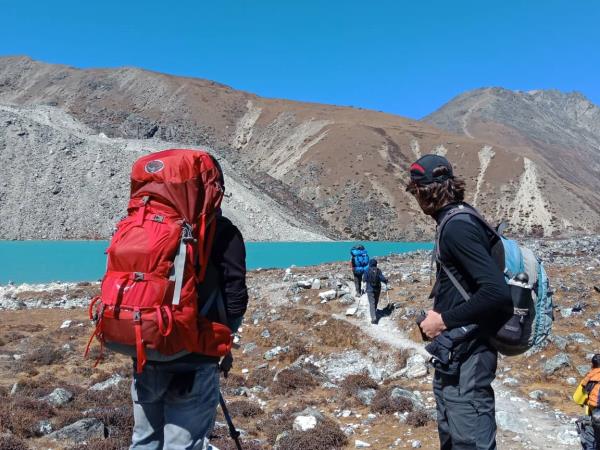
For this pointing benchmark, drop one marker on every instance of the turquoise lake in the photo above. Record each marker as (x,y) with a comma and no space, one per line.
(46,261)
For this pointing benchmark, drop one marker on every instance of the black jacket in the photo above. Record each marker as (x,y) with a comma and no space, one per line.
(229,257)
(465,249)
(373,277)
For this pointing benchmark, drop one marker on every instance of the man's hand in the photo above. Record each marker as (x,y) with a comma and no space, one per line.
(433,324)
(226,364)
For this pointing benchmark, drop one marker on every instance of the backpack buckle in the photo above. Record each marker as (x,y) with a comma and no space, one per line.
(138,276)
(137,316)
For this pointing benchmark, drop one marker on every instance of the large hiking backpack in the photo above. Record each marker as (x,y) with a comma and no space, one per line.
(531,322)
(360,258)
(156,259)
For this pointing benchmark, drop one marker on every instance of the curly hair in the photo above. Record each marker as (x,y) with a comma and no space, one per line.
(434,196)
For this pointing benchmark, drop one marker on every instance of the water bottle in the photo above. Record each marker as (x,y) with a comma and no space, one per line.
(521,294)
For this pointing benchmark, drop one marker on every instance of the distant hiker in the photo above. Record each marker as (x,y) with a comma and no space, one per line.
(465,401)
(373,277)
(587,395)
(173,294)
(359,260)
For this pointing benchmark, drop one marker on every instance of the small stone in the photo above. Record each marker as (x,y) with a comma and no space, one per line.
(316,284)
(266,334)
(43,427)
(66,324)
(537,395)
(416,444)
(328,295)
(304,423)
(366,396)
(361,444)
(571,381)
(249,348)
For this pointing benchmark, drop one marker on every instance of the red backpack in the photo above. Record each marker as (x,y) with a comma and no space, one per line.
(158,256)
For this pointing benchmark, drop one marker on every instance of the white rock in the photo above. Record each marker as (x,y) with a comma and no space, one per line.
(66,324)
(316,284)
(304,423)
(328,295)
(361,444)
(111,382)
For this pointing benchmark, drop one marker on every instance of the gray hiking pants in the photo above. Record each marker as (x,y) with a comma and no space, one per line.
(174,406)
(373,297)
(466,404)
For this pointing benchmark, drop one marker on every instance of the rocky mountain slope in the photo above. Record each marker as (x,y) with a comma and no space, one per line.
(342,167)
(62,180)
(557,132)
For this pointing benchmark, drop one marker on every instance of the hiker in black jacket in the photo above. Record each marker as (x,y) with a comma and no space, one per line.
(373,277)
(465,400)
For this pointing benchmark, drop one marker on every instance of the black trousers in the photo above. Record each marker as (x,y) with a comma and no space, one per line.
(357,282)
(466,404)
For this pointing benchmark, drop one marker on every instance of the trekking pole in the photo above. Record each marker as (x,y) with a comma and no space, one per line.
(235,434)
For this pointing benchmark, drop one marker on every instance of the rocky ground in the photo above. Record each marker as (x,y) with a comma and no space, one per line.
(305,375)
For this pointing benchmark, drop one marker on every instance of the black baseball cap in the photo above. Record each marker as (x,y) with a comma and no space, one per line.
(431,169)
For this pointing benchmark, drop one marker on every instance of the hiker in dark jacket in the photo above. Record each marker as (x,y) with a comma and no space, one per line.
(465,401)
(175,401)
(373,277)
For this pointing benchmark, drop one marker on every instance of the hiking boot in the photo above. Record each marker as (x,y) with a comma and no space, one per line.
(374,321)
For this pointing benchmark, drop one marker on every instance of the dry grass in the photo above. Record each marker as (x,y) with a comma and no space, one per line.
(260,377)
(338,334)
(8,442)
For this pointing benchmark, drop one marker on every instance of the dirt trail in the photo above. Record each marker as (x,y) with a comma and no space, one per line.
(537,427)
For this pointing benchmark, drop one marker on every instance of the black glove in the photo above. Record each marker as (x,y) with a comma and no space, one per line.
(226,364)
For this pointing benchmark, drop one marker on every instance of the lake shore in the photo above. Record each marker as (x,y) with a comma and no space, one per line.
(300,355)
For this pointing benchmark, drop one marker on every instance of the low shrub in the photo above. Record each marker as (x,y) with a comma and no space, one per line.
(244,408)
(292,379)
(384,403)
(354,383)
(417,419)
(326,435)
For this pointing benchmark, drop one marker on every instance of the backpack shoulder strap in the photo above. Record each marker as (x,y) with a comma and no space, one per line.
(461,209)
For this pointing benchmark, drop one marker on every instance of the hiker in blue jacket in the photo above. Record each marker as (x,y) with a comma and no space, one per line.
(373,277)
(359,260)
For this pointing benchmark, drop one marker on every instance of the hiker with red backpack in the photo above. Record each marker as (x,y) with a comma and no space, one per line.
(464,398)
(173,294)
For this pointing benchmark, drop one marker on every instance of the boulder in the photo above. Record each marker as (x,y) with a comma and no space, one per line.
(553,364)
(80,431)
(416,367)
(113,381)
(328,295)
(58,397)
(398,392)
(316,284)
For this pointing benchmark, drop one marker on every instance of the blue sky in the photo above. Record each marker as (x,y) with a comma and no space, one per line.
(404,57)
